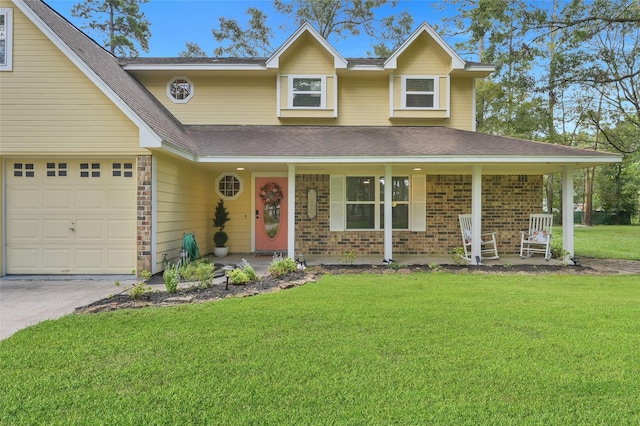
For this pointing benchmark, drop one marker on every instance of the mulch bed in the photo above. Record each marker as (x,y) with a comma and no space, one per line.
(195,294)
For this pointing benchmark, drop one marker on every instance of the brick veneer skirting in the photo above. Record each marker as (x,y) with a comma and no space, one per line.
(507,202)
(143,243)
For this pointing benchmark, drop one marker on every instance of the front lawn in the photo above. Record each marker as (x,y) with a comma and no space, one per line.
(603,241)
(424,348)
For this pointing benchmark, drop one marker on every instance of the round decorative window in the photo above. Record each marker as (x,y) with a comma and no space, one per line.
(229,186)
(180,90)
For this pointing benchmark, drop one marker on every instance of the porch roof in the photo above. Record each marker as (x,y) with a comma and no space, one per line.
(331,145)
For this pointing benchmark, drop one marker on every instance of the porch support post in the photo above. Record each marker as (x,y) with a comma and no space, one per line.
(567,212)
(476,214)
(291,210)
(388,219)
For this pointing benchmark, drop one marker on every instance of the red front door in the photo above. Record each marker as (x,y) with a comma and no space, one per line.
(271,214)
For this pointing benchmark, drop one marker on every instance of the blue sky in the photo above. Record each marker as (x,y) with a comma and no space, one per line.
(174,22)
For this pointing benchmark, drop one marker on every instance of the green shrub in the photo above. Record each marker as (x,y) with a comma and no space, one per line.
(281,267)
(140,288)
(238,276)
(243,273)
(171,277)
(201,271)
(348,257)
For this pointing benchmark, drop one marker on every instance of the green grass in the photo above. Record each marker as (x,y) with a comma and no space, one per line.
(430,348)
(603,242)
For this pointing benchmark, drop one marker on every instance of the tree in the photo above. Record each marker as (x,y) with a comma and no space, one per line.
(122,23)
(192,51)
(331,18)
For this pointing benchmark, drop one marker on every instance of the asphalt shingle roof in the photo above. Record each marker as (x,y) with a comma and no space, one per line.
(284,141)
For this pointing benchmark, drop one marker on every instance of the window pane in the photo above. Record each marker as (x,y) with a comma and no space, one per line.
(360,188)
(420,101)
(180,89)
(399,217)
(307,84)
(360,216)
(400,190)
(420,85)
(306,100)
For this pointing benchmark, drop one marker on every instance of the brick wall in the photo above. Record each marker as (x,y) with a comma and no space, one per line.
(507,202)
(143,244)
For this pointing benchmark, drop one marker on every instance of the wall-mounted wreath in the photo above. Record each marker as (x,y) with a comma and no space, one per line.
(271,194)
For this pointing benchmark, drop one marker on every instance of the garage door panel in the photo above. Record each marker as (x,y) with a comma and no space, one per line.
(23,230)
(90,229)
(25,260)
(119,200)
(57,259)
(57,229)
(24,199)
(54,199)
(121,260)
(89,259)
(89,200)
(120,229)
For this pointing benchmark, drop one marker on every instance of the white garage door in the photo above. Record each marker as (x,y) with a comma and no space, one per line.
(71,217)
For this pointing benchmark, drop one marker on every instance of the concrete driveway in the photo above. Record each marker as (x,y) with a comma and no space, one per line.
(25,301)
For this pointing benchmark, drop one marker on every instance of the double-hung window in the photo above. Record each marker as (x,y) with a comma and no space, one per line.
(6,34)
(307,92)
(419,92)
(365,202)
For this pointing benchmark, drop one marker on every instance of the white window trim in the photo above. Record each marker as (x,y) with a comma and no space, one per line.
(436,91)
(323,91)
(8,43)
(217,186)
(180,101)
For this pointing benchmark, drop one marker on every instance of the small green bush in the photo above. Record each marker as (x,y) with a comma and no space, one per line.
(243,273)
(281,267)
(201,271)
(348,257)
(239,277)
(171,277)
(139,289)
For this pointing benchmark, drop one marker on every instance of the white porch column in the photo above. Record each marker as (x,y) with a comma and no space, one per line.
(476,214)
(291,210)
(388,219)
(567,211)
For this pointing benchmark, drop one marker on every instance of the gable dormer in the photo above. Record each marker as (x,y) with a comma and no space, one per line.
(420,79)
(307,84)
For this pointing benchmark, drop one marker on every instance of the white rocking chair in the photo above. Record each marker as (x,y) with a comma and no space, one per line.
(538,238)
(488,245)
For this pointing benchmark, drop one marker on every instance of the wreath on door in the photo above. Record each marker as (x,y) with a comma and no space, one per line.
(271,194)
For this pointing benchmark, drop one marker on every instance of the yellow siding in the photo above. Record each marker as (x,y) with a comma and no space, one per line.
(184,204)
(239,226)
(220,98)
(306,56)
(363,100)
(49,106)
(423,57)
(462,103)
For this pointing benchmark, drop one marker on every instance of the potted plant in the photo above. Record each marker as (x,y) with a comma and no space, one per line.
(220,238)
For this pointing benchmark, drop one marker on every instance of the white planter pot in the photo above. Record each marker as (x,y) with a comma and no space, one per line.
(221,251)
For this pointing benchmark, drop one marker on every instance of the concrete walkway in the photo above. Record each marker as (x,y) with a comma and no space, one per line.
(28,300)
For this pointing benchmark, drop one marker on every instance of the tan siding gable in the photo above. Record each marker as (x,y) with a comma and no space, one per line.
(423,57)
(48,105)
(306,56)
